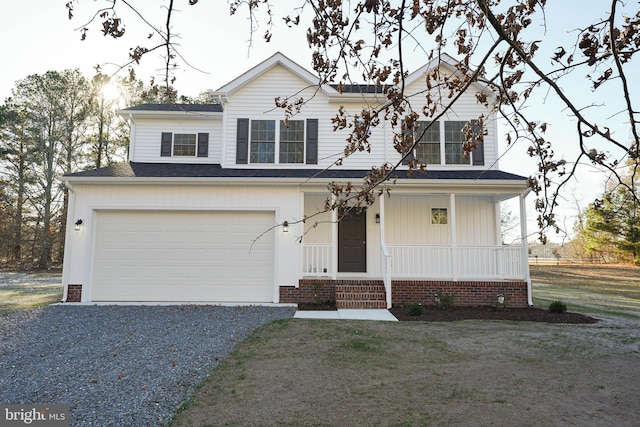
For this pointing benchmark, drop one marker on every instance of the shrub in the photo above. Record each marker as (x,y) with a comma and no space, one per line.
(444,301)
(416,309)
(557,307)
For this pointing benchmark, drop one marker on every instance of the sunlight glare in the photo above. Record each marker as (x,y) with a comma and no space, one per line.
(111,92)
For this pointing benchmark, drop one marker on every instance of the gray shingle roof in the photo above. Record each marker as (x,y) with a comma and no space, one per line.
(361,88)
(177,170)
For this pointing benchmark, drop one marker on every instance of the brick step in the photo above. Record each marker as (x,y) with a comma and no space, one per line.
(361,304)
(367,295)
(372,287)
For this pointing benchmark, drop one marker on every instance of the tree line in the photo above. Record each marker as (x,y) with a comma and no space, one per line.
(609,228)
(53,124)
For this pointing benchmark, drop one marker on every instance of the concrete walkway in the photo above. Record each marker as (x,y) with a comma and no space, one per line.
(351,314)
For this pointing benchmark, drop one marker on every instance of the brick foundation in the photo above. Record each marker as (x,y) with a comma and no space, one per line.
(74,293)
(464,293)
(309,291)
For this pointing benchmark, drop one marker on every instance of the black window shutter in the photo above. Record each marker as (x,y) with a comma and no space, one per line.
(203,145)
(312,141)
(165,144)
(409,158)
(242,142)
(478,152)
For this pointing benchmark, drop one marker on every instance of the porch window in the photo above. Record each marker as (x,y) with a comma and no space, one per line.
(184,144)
(292,141)
(439,216)
(428,148)
(263,141)
(454,138)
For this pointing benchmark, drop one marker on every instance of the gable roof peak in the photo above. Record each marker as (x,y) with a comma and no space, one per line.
(277,58)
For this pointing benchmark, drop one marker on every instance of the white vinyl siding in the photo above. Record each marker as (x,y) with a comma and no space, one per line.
(94,199)
(148,135)
(255,100)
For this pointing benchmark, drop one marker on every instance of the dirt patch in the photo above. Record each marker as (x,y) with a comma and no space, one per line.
(324,372)
(490,313)
(432,314)
(318,306)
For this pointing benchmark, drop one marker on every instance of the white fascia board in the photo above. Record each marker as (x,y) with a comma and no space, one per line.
(458,186)
(178,115)
(433,185)
(101,180)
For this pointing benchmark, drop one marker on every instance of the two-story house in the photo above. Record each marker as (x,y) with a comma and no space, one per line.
(209,207)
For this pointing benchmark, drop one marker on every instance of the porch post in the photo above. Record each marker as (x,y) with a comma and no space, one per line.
(381,213)
(498,216)
(454,239)
(385,259)
(334,239)
(525,251)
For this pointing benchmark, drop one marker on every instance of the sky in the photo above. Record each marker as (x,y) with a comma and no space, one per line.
(38,36)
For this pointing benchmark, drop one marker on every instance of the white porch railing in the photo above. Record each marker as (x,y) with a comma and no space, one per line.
(316,259)
(428,262)
(466,262)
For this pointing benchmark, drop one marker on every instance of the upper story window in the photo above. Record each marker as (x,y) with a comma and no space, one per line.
(277,141)
(428,148)
(442,143)
(290,141)
(184,144)
(263,141)
(454,138)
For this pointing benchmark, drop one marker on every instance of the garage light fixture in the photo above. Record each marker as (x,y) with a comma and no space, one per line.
(78,225)
(377,218)
(285,227)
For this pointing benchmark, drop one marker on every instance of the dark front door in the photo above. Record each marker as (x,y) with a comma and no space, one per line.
(352,242)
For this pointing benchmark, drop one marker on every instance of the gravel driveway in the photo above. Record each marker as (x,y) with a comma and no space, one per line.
(118,365)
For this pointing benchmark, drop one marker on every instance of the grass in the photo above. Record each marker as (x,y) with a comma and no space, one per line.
(320,372)
(597,289)
(21,297)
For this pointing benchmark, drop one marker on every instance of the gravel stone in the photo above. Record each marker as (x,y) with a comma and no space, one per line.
(119,365)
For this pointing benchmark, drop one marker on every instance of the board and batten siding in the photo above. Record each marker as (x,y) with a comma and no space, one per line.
(255,101)
(476,221)
(148,135)
(408,220)
(281,201)
(318,223)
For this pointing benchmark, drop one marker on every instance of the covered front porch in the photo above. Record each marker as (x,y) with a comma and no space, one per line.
(412,247)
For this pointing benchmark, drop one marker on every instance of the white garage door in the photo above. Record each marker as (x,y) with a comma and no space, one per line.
(183,256)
